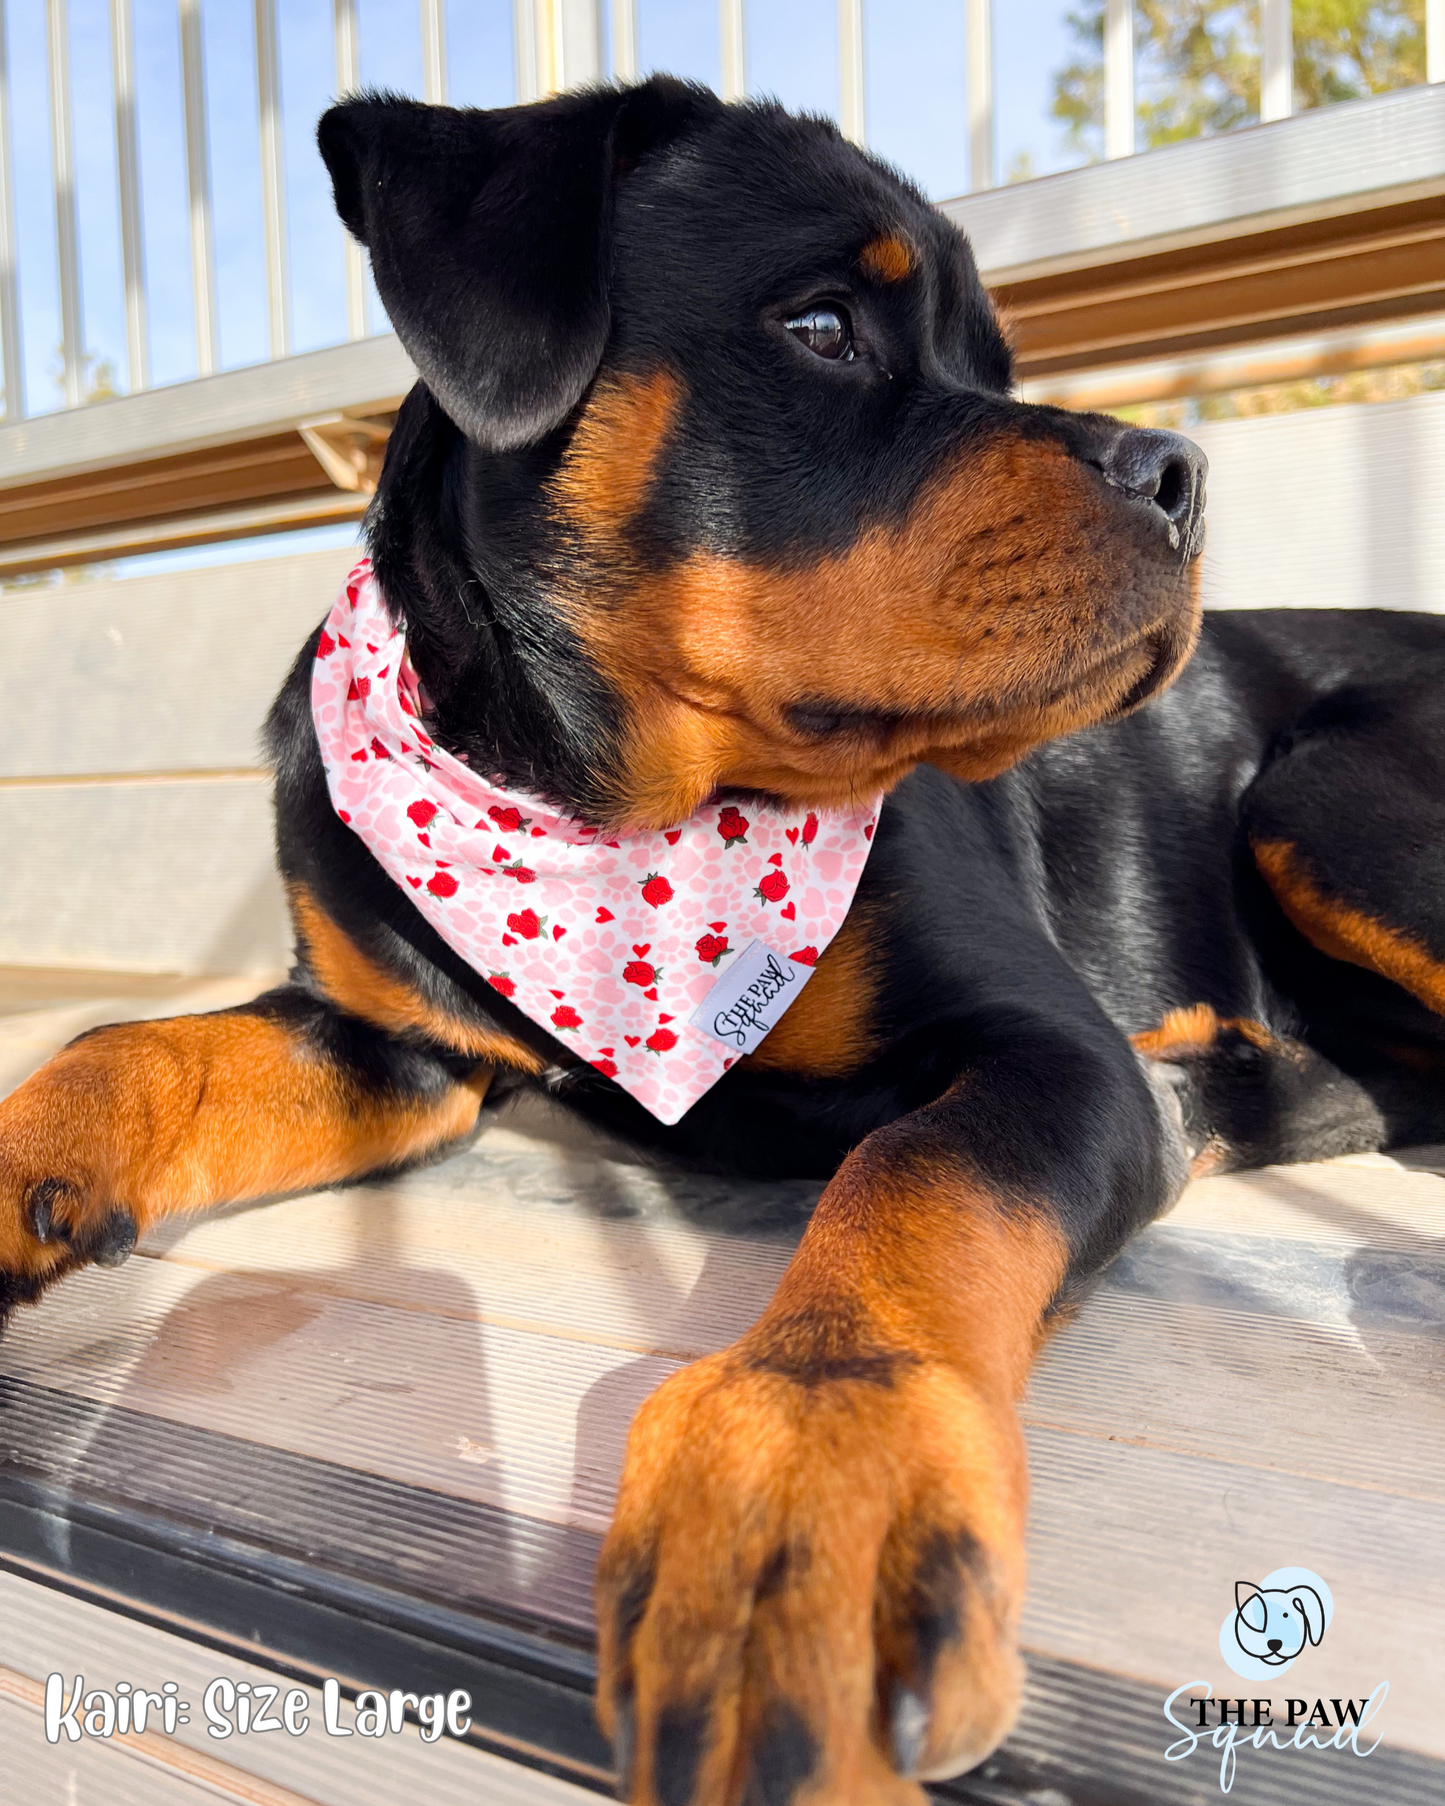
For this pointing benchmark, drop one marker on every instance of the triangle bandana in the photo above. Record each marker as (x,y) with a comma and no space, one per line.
(659,957)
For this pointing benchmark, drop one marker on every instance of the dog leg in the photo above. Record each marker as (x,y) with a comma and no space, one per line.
(131,1123)
(812,1584)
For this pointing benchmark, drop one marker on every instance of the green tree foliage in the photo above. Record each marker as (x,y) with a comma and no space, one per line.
(1198,64)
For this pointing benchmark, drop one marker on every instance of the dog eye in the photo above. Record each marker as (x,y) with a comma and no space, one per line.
(827,332)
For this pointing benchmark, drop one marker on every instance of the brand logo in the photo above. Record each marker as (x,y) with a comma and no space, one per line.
(750,996)
(1274,1622)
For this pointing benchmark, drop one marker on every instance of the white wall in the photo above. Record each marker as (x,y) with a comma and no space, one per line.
(1337,507)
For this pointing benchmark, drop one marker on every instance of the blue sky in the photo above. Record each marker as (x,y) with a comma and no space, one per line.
(915,85)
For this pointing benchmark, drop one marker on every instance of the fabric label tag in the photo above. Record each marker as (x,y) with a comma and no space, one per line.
(750,996)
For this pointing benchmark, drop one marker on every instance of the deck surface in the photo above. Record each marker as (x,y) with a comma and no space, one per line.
(422,1389)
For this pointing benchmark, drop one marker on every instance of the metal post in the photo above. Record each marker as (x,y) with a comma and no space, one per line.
(524,41)
(273,184)
(734,49)
(624,40)
(10,343)
(348,80)
(127,163)
(198,179)
(433,52)
(1435,40)
(978,74)
(577,43)
(67,243)
(852,96)
(1276,75)
(1119,78)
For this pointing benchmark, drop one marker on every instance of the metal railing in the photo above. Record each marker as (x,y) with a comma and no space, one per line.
(556,44)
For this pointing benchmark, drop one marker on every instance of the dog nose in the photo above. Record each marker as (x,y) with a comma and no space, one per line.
(1275,1644)
(1163,468)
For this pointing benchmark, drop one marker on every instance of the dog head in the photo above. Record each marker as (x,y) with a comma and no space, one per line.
(714,481)
(1274,1624)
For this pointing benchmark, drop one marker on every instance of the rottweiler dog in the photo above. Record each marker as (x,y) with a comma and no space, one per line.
(713,487)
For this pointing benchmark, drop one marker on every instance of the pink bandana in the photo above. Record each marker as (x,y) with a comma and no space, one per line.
(660,957)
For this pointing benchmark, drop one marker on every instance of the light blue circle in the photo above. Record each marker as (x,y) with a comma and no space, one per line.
(1250,1667)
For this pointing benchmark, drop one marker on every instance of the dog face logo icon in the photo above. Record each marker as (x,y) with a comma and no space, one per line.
(1274,1621)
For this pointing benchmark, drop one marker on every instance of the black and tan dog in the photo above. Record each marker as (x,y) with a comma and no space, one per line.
(713,485)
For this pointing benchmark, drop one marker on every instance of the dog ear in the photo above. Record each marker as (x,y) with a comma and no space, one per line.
(490,236)
(1310,1606)
(1247,1593)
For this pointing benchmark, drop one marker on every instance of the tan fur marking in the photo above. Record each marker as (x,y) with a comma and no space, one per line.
(1187,1032)
(359,986)
(889,258)
(827,1032)
(1346,933)
(1005,609)
(613,456)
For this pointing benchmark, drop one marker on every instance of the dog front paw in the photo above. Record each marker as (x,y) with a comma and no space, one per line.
(58,1208)
(811,1588)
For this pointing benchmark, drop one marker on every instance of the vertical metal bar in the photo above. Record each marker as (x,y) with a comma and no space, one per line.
(624,40)
(67,242)
(11,350)
(978,74)
(1276,74)
(524,45)
(1119,78)
(198,181)
(348,79)
(127,165)
(852,97)
(433,52)
(273,182)
(1435,40)
(732,37)
(577,37)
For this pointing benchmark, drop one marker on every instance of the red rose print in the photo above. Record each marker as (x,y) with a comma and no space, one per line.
(325,646)
(638,972)
(661,1040)
(379,749)
(608,1068)
(422,813)
(733,826)
(360,689)
(520,872)
(805,956)
(773,888)
(500,982)
(711,948)
(656,890)
(510,821)
(564,1016)
(442,884)
(528,924)
(810,829)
